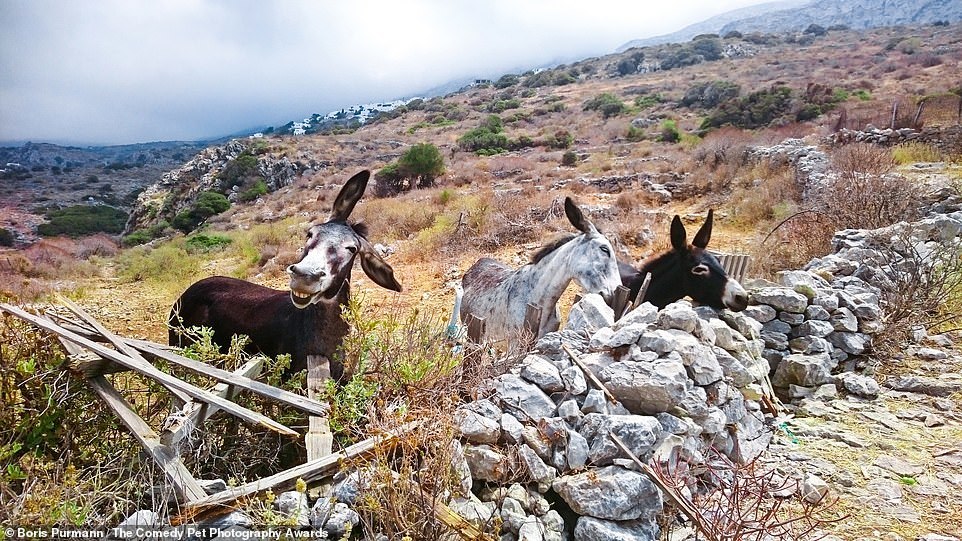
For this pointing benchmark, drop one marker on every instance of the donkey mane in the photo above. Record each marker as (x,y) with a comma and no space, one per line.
(551,246)
(360,228)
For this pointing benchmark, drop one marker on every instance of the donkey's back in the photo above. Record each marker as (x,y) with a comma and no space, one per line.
(485,288)
(228,306)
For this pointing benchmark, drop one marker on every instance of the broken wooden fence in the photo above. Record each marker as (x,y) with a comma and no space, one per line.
(92,360)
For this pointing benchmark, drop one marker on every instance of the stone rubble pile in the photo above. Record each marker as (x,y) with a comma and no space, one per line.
(682,378)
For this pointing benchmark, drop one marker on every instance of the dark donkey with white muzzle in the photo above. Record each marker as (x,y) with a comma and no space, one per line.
(686,270)
(305,320)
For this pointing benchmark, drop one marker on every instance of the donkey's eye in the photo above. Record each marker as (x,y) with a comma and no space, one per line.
(352,249)
(310,234)
(605,250)
(701,270)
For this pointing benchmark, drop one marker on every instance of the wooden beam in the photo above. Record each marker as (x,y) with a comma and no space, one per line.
(223,502)
(150,371)
(588,373)
(286,397)
(642,291)
(185,486)
(532,320)
(461,526)
(195,413)
(115,340)
(682,503)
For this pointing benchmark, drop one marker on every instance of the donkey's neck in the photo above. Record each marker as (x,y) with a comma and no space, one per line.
(665,287)
(549,277)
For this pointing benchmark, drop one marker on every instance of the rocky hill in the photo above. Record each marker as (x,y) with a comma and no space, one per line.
(36,176)
(856,14)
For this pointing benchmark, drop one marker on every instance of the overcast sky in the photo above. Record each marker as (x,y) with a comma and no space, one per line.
(128,71)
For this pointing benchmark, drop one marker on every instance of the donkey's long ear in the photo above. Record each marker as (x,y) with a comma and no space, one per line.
(577,218)
(704,234)
(376,268)
(349,195)
(679,238)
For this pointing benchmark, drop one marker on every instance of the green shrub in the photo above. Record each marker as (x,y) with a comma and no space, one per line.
(168,262)
(419,166)
(569,159)
(707,46)
(608,104)
(423,162)
(206,243)
(80,220)
(499,106)
(208,204)
(669,132)
(648,101)
(507,80)
(635,134)
(143,236)
(6,237)
(710,94)
(560,139)
(138,237)
(258,189)
(755,110)
(486,139)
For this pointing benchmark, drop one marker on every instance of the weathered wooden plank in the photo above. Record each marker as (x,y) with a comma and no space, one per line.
(532,320)
(314,470)
(461,526)
(285,397)
(588,373)
(195,413)
(185,486)
(682,503)
(150,371)
(642,291)
(620,301)
(319,439)
(113,339)
(475,328)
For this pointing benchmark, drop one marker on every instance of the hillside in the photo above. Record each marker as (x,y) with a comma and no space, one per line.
(42,175)
(807,146)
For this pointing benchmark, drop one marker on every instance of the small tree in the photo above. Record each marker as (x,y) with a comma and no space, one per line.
(422,162)
(419,166)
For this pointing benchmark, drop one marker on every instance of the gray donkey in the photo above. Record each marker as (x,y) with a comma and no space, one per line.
(500,294)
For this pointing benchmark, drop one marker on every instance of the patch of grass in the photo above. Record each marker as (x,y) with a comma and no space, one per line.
(202,244)
(169,263)
(914,152)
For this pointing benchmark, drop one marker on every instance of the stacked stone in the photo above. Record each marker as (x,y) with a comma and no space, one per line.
(810,326)
(681,378)
(878,136)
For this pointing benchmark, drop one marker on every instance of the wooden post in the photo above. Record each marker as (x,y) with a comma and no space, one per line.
(619,303)
(475,328)
(530,327)
(895,112)
(532,320)
(319,439)
(918,115)
(640,297)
